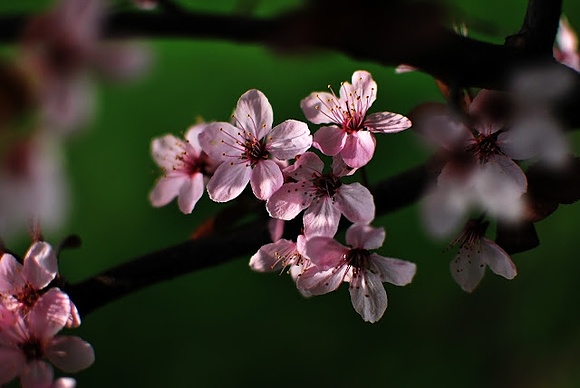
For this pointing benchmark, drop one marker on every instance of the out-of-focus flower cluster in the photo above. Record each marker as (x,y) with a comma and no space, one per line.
(228,156)
(47,95)
(32,313)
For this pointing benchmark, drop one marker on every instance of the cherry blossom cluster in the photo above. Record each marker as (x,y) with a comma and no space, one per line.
(51,97)
(277,163)
(32,313)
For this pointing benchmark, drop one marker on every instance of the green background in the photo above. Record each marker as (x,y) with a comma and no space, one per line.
(229,326)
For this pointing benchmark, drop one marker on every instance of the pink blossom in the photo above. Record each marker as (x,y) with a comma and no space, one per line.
(352,135)
(21,285)
(61,47)
(475,253)
(249,150)
(185,167)
(30,339)
(323,195)
(32,184)
(479,170)
(566,48)
(145,4)
(334,263)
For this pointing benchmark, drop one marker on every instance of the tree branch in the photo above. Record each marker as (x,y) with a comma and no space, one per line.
(213,250)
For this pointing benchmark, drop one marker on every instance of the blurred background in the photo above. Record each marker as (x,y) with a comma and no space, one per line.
(229,326)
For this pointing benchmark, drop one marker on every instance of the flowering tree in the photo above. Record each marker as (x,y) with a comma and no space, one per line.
(299,179)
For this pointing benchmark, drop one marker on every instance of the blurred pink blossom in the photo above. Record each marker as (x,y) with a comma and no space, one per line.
(566,47)
(250,149)
(334,263)
(62,47)
(352,135)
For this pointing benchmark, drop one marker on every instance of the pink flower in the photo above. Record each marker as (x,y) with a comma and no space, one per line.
(352,136)
(566,48)
(334,263)
(21,285)
(61,47)
(145,4)
(249,150)
(323,195)
(185,167)
(32,184)
(479,170)
(475,253)
(25,343)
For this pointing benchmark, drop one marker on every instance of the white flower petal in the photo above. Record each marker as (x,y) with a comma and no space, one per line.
(254,113)
(356,203)
(228,181)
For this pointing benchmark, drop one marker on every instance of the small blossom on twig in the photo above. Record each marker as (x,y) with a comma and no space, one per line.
(352,135)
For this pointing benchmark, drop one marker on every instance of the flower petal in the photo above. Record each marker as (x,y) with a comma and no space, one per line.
(364,86)
(165,149)
(443,209)
(359,148)
(289,139)
(308,164)
(266,179)
(166,188)
(497,259)
(365,236)
(356,203)
(395,271)
(40,265)
(329,140)
(71,354)
(219,141)
(286,203)
(320,107)
(190,192)
(49,314)
(36,374)
(387,122)
(12,362)
(368,296)
(11,276)
(315,281)
(192,137)
(228,181)
(468,267)
(254,113)
(321,218)
(325,252)
(270,257)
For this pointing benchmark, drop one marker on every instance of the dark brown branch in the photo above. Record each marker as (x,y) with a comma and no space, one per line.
(196,255)
(536,37)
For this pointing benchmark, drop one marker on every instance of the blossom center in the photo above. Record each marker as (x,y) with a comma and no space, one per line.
(28,296)
(484,147)
(326,185)
(32,349)
(254,151)
(358,259)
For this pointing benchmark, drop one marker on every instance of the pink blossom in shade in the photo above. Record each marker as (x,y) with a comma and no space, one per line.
(479,171)
(185,169)
(32,184)
(333,263)
(566,48)
(62,47)
(250,150)
(145,4)
(21,285)
(32,338)
(475,253)
(323,196)
(352,135)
